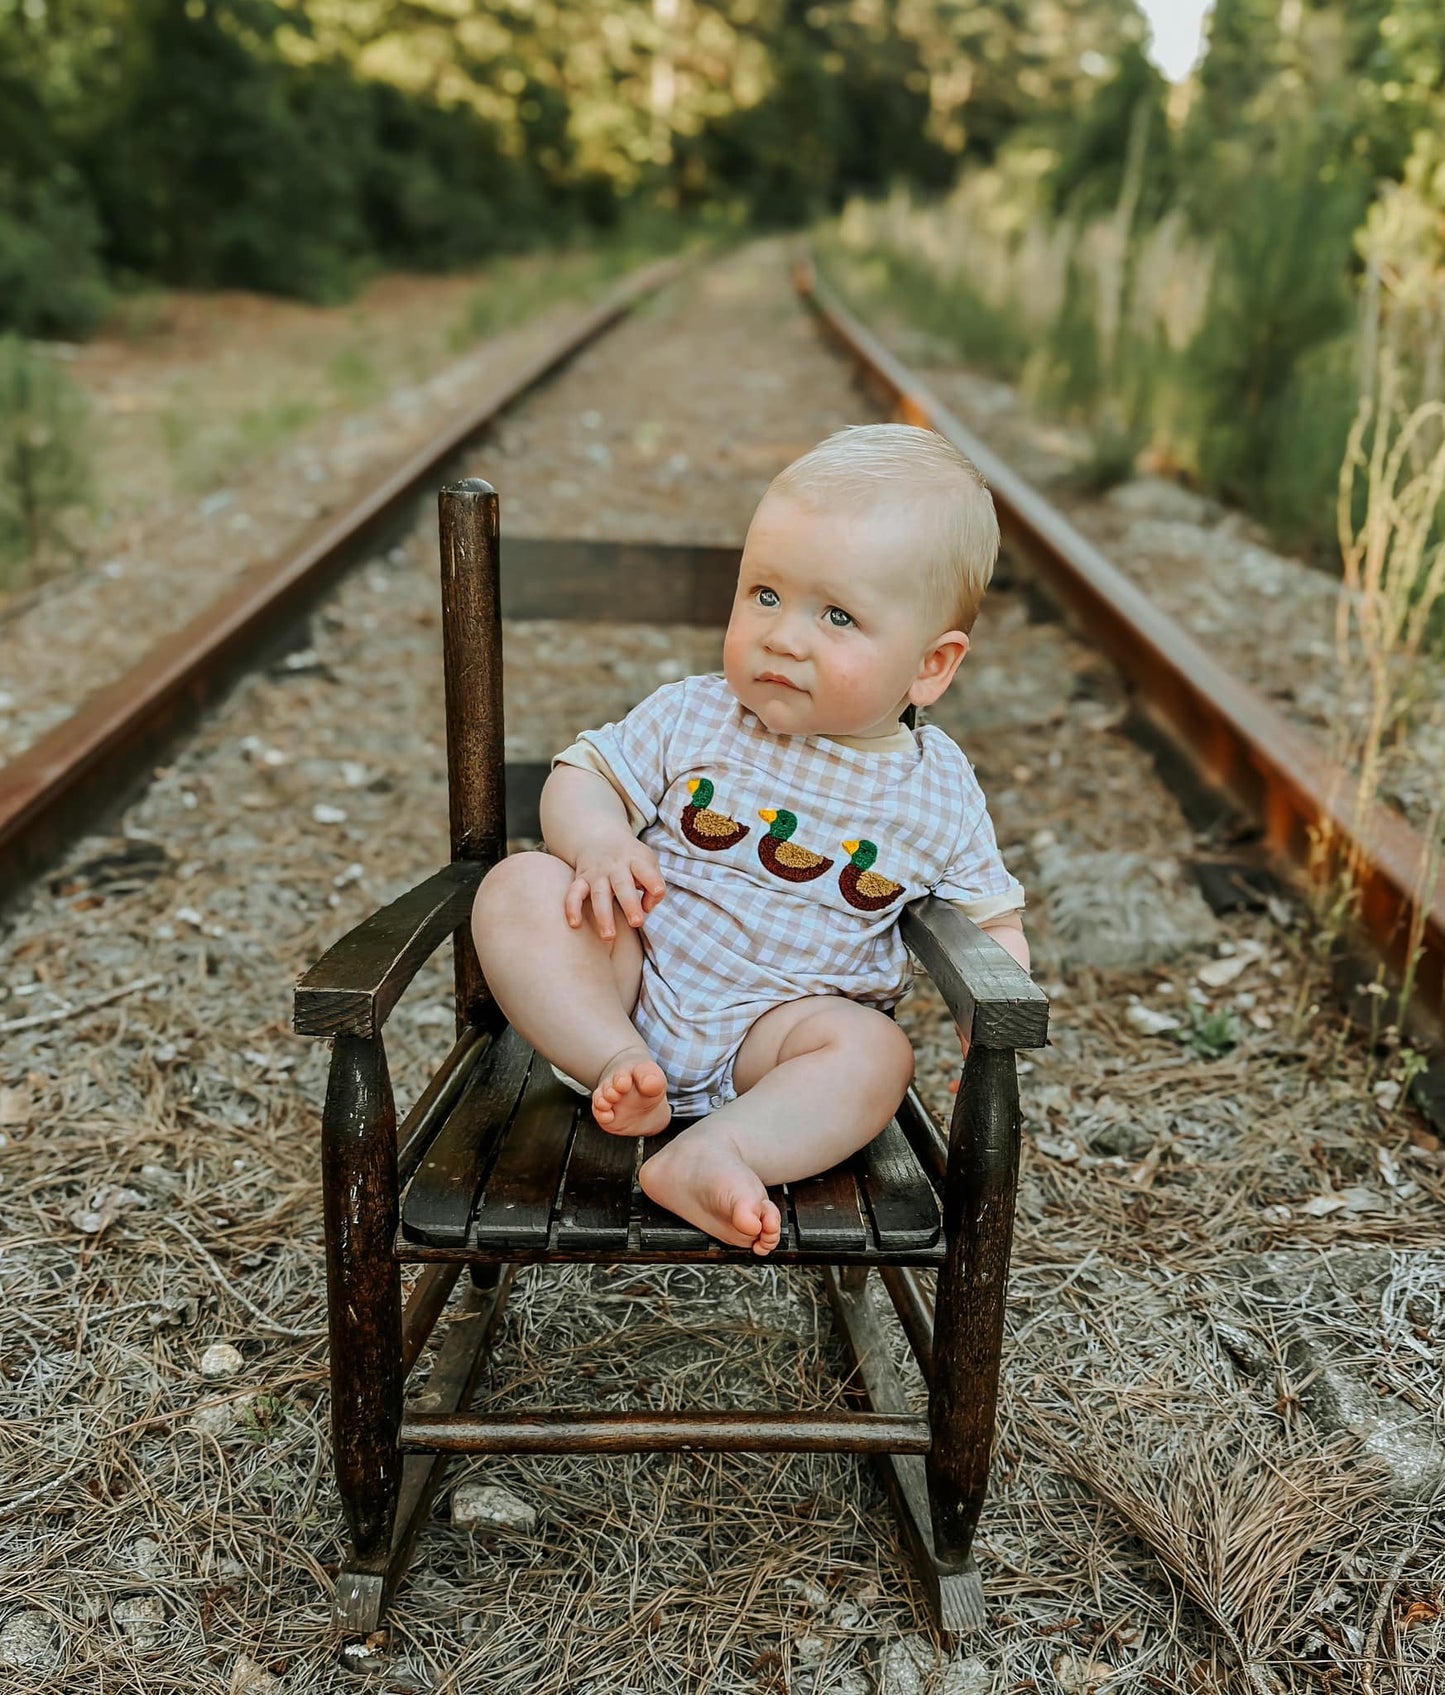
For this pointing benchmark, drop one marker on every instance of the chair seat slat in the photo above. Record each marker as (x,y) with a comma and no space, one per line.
(827,1213)
(597,1190)
(438,1204)
(520,1195)
(900,1198)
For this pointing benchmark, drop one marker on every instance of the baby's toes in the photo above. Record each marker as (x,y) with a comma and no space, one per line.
(650,1079)
(770,1231)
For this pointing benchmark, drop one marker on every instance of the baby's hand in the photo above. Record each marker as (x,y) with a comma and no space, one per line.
(615,872)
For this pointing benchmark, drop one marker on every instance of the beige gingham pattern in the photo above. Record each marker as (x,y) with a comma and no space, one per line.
(730,938)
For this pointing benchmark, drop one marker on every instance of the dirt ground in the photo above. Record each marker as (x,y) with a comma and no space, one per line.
(1223,1402)
(221,424)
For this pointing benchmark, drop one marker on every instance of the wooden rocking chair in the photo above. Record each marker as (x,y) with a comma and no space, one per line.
(498,1165)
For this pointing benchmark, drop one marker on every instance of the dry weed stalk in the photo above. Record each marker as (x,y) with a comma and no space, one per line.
(1392,483)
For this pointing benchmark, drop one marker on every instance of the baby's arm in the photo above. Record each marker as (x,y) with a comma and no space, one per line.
(584,823)
(1008,931)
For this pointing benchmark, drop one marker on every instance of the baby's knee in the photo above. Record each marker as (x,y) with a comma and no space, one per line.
(895,1051)
(518,885)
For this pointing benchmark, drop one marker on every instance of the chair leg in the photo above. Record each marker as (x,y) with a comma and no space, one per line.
(978,1214)
(363,1299)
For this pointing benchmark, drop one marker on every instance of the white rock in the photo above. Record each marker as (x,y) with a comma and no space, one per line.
(1218,972)
(484,1506)
(853,1682)
(324,814)
(905,1666)
(29,1642)
(810,1593)
(221,1360)
(1275,1214)
(1386,1093)
(808,1651)
(967,1677)
(146,1558)
(106,1205)
(1150,1022)
(142,1618)
(248,1678)
(220,1421)
(1321,1206)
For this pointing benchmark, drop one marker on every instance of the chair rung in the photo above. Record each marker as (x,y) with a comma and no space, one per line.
(649,1432)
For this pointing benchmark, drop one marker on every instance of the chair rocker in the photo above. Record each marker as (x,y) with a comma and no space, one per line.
(497,1165)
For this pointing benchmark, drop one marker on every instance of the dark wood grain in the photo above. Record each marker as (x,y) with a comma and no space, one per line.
(993,999)
(440,1199)
(363,1284)
(913,1302)
(352,988)
(633,582)
(472,668)
(423,1306)
(363,1591)
(519,1196)
(597,1190)
(924,1136)
(901,1201)
(978,1209)
(955,1595)
(432,1106)
(643,1432)
(827,1213)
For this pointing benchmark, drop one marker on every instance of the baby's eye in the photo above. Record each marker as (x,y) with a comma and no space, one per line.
(768,597)
(838,618)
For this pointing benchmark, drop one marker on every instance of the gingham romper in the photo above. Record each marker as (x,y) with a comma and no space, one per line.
(762,910)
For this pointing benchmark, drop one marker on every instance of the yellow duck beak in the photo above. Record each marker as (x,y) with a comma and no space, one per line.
(693,785)
(768,815)
(850,847)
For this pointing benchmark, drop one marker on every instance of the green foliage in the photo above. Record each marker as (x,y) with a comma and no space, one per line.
(43,462)
(1211,1032)
(1282,293)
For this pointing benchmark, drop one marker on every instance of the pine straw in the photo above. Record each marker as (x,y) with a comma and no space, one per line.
(163,1531)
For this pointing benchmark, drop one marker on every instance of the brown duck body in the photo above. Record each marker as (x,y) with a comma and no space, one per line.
(867,890)
(705,828)
(792,863)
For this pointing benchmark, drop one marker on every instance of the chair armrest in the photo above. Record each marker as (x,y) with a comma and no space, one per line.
(994,1001)
(352,988)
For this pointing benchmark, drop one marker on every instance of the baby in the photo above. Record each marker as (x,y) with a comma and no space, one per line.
(760,832)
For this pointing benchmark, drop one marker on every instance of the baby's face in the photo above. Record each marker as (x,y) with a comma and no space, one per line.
(830,622)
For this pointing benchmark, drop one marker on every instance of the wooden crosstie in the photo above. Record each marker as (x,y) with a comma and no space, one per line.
(497,1164)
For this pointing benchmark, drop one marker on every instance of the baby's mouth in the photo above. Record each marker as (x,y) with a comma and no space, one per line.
(782,682)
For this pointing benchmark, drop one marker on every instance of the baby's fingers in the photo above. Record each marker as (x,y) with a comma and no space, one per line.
(627,898)
(602,908)
(577,892)
(653,887)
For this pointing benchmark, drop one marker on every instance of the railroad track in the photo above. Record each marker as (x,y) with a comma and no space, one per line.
(1296,797)
(1306,807)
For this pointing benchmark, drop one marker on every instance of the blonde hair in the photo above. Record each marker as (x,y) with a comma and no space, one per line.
(957,525)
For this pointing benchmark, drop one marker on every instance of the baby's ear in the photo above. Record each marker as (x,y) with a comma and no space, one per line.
(937,667)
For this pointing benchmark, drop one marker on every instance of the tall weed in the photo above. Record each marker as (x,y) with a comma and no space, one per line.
(44,468)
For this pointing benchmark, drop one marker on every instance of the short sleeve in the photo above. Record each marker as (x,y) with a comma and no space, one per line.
(976,879)
(635,748)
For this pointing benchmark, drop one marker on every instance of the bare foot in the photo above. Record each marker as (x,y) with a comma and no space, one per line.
(707,1183)
(631,1097)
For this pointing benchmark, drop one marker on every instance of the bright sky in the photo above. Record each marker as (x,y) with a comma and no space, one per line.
(1178,33)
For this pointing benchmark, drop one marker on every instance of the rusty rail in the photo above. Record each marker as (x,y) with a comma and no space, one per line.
(1308,806)
(87,765)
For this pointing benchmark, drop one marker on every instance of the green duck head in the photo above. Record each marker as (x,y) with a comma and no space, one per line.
(862,853)
(781,823)
(700,788)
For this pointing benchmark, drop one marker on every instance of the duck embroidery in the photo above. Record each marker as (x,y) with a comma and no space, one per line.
(702,826)
(861,884)
(785,858)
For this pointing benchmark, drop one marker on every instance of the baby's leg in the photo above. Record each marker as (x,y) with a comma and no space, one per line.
(568,992)
(816,1080)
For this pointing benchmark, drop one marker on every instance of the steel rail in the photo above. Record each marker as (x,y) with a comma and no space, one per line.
(87,765)
(1309,807)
